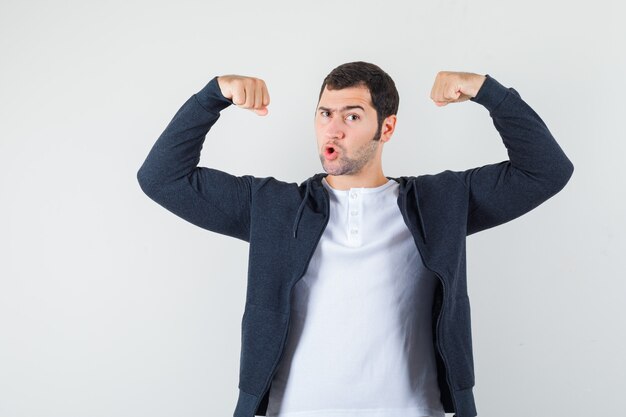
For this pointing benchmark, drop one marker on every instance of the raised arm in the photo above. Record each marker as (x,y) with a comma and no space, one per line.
(207,197)
(537,168)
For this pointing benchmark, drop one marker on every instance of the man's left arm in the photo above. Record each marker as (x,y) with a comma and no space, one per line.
(537,168)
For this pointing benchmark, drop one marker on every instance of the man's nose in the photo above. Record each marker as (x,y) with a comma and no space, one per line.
(334,129)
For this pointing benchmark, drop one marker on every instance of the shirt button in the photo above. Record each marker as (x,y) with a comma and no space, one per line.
(354,213)
(354,231)
(354,195)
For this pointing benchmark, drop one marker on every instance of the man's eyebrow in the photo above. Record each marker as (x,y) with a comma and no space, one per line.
(342,109)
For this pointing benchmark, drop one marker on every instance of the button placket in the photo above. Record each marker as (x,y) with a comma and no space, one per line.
(354,216)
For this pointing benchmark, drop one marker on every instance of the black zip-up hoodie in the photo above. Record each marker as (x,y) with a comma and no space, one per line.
(284,221)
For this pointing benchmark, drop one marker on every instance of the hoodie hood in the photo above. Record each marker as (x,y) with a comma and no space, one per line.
(405,188)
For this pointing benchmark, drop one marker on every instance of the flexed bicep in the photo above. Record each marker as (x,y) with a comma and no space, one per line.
(537,168)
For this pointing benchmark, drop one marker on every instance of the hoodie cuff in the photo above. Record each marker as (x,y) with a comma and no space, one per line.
(211,98)
(490,94)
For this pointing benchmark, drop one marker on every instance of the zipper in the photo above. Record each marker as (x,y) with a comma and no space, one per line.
(441,310)
(282,347)
(445,363)
(437,329)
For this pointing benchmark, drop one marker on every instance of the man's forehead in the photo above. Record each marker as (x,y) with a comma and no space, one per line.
(345,99)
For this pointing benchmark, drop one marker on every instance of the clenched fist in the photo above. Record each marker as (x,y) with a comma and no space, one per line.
(247,92)
(454,87)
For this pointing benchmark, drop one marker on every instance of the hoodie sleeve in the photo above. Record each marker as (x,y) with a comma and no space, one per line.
(536,170)
(209,198)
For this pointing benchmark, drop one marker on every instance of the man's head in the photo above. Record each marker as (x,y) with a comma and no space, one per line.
(355,115)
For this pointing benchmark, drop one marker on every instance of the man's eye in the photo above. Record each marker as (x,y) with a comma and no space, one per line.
(323,113)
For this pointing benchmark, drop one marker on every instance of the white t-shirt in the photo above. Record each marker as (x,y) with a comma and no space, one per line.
(360,338)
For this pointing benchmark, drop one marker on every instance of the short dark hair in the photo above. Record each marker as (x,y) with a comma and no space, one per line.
(384,95)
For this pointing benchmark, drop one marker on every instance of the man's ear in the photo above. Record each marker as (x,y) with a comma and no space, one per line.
(389,126)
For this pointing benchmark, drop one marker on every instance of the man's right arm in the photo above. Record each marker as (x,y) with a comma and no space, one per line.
(209,198)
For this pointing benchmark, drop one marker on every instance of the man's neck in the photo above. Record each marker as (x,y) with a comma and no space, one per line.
(345,182)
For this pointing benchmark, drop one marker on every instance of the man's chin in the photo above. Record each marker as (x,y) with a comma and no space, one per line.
(334,171)
(333,167)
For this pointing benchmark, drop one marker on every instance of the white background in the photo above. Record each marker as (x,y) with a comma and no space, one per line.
(112,306)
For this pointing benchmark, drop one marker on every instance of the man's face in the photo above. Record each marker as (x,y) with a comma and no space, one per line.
(345,134)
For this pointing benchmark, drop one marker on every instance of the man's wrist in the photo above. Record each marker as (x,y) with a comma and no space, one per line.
(211,97)
(479,80)
(491,93)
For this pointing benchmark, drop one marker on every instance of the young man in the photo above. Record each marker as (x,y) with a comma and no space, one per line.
(356,300)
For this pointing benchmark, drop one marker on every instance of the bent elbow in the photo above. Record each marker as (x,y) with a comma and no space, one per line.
(567,172)
(561,177)
(145,183)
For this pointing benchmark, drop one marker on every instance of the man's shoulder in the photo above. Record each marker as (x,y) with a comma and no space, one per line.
(271,184)
(443,179)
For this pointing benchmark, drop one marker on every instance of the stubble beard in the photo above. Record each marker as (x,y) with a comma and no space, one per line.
(344,165)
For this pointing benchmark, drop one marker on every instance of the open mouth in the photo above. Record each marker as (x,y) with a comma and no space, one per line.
(330,149)
(331,152)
